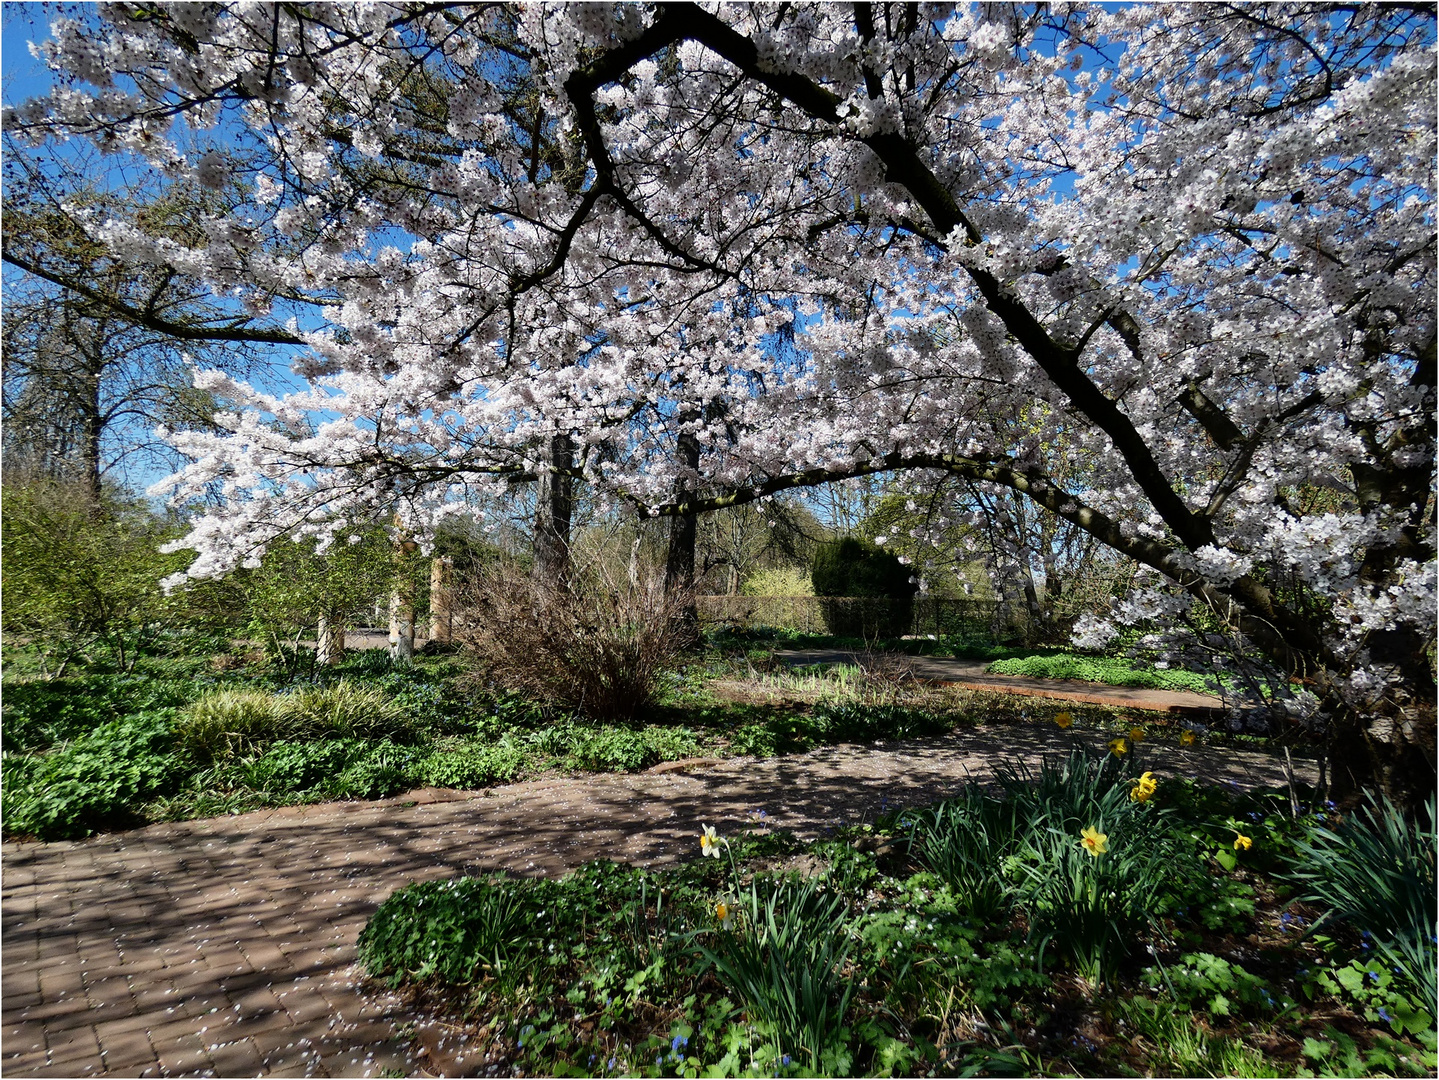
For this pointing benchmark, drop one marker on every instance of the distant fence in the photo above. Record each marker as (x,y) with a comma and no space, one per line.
(865,616)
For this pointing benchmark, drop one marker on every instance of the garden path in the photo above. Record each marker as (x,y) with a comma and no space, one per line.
(226,946)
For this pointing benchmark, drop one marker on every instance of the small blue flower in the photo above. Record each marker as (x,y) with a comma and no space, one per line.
(1384,1015)
(784,1061)
(1373,976)
(610,1064)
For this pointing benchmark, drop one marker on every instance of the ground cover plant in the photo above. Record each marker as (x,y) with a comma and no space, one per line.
(193,728)
(1111,671)
(192,732)
(1076,920)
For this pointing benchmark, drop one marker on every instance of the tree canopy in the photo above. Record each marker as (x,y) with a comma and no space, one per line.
(726,250)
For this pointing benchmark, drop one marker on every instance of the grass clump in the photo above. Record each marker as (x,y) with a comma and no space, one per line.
(230,722)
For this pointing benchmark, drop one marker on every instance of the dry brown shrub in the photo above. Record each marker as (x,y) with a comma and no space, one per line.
(598,647)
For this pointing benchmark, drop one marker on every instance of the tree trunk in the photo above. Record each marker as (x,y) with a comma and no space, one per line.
(554,505)
(329,642)
(680,556)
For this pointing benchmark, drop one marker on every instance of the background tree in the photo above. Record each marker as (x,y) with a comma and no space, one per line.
(87,376)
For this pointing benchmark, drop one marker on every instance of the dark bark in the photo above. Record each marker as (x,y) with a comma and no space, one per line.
(680,556)
(554,506)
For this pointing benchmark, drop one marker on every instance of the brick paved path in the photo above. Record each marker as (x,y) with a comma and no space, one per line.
(226,946)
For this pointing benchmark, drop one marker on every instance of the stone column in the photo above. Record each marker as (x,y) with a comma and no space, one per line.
(329,642)
(442,623)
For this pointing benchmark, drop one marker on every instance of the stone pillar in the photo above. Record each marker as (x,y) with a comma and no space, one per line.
(442,624)
(402,626)
(329,642)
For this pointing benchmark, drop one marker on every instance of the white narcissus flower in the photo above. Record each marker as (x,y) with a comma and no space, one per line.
(710,842)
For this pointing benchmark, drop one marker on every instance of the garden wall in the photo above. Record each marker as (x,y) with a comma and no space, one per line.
(807,614)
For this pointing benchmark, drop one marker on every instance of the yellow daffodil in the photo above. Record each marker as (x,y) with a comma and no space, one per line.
(724,915)
(710,842)
(1135,734)
(1143,788)
(1094,841)
(1063,720)
(1186,738)
(1242,842)
(1117,746)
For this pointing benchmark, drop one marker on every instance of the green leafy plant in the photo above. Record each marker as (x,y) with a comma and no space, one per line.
(1201,980)
(783,954)
(473,765)
(1376,870)
(93,782)
(1112,672)
(446,930)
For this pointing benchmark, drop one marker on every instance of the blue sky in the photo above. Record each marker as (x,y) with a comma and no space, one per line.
(22,75)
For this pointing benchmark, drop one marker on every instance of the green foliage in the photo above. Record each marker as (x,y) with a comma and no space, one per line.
(473,765)
(965,840)
(1111,672)
(93,781)
(779,581)
(81,572)
(1184,1048)
(296,584)
(852,567)
(784,956)
(1338,1055)
(39,714)
(1201,980)
(446,930)
(1377,990)
(1376,870)
(849,570)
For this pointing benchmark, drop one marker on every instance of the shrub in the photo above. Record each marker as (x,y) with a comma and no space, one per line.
(95,781)
(82,570)
(597,648)
(852,568)
(779,581)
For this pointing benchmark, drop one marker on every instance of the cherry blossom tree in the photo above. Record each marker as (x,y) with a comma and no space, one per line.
(698,255)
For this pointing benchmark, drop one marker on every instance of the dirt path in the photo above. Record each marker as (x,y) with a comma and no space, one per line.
(226,946)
